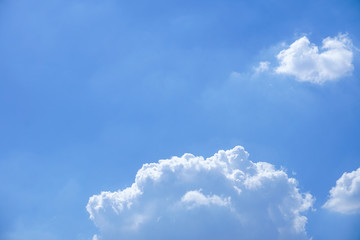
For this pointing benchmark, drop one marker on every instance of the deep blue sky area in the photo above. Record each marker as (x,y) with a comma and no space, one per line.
(91,90)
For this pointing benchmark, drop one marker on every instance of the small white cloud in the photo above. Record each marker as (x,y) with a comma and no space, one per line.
(191,197)
(345,196)
(263,66)
(196,198)
(304,60)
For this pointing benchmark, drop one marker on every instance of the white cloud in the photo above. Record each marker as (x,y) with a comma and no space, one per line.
(304,60)
(345,196)
(190,197)
(196,198)
(262,67)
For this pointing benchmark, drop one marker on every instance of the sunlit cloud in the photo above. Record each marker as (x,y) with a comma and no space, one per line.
(307,63)
(192,197)
(345,196)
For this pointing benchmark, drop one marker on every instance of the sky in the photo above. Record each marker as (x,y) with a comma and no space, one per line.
(179,119)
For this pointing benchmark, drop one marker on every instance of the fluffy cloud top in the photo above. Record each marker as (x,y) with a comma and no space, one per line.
(345,196)
(225,196)
(304,60)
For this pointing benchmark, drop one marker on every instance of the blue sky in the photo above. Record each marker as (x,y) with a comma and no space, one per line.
(92,90)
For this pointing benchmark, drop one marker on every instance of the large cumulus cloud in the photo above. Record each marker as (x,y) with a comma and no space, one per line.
(304,60)
(345,196)
(225,196)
